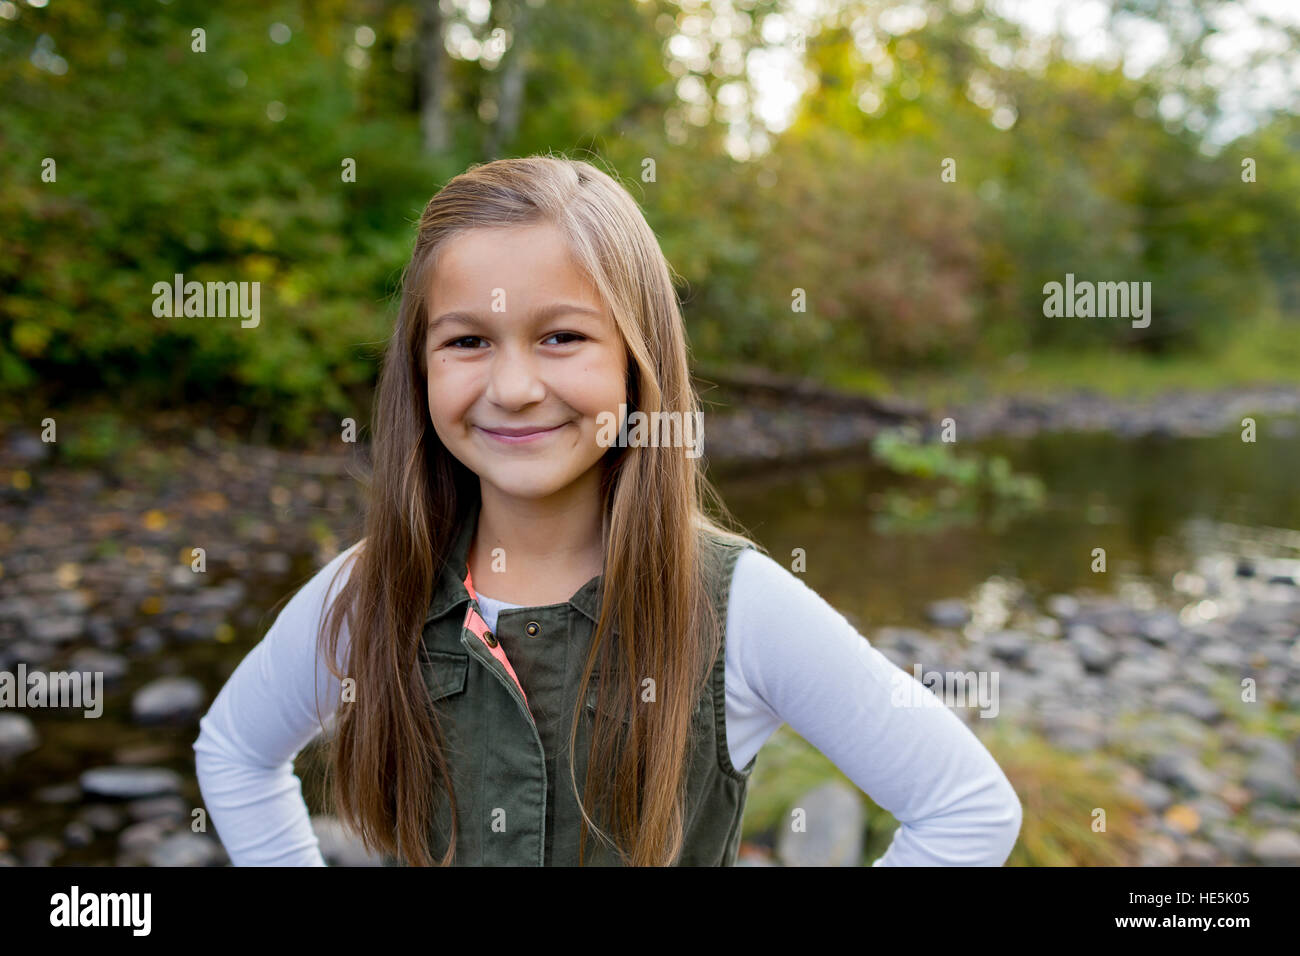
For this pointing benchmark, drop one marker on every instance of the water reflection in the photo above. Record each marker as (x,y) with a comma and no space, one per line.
(1154,504)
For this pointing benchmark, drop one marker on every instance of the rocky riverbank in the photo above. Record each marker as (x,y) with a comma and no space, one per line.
(97,574)
(784,421)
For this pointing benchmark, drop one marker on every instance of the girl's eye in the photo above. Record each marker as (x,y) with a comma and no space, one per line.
(571,335)
(464,338)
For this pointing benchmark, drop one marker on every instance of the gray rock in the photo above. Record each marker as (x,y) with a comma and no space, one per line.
(126,783)
(17,736)
(274,563)
(40,851)
(1211,809)
(909,641)
(139,840)
(26,447)
(168,699)
(147,641)
(76,602)
(113,666)
(1221,654)
(101,631)
(1158,850)
(1233,845)
(1079,731)
(224,597)
(1160,627)
(1192,701)
(834,826)
(1054,661)
(59,793)
(1153,671)
(1182,770)
(1277,848)
(1063,606)
(1200,853)
(78,834)
(1154,795)
(1273,782)
(32,653)
(1271,749)
(340,846)
(194,629)
(171,808)
(56,629)
(951,613)
(101,817)
(1096,651)
(1270,815)
(1010,646)
(186,849)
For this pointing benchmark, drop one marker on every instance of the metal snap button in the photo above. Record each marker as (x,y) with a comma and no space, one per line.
(490,638)
(533,628)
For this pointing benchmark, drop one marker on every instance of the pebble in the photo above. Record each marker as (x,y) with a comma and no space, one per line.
(17,736)
(101,817)
(40,851)
(114,667)
(1184,771)
(130,782)
(340,846)
(1277,848)
(186,849)
(170,808)
(168,699)
(950,613)
(833,828)
(1010,646)
(1096,651)
(77,834)
(1273,781)
(56,630)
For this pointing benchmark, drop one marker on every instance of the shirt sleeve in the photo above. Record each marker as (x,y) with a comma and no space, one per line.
(263,717)
(792,658)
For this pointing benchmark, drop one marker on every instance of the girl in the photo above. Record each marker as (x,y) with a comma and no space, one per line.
(604,700)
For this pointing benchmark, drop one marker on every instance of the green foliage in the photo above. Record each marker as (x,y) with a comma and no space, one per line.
(172,161)
(953,489)
(1058,792)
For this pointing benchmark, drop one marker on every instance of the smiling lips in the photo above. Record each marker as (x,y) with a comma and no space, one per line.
(515,436)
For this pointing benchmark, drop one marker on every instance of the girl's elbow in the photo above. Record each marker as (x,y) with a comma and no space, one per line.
(1008,828)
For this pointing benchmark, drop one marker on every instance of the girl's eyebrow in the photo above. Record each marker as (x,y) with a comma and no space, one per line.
(538,315)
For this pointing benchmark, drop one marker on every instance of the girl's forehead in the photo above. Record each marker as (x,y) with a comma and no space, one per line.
(510,274)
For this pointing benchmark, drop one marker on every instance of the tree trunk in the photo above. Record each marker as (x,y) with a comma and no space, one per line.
(510,102)
(433,119)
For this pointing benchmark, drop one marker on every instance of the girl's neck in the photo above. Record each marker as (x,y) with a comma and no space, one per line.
(547,550)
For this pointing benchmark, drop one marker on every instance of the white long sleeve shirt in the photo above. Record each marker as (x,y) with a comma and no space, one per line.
(790,658)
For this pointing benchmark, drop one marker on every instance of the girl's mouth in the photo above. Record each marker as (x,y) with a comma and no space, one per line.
(519,436)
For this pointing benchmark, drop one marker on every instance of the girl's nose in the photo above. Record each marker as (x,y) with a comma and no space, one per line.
(514,379)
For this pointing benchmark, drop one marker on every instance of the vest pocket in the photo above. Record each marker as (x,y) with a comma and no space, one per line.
(444,673)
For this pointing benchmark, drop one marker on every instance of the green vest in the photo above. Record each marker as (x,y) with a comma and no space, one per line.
(504,701)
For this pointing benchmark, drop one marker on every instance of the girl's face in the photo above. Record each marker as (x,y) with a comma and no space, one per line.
(519,341)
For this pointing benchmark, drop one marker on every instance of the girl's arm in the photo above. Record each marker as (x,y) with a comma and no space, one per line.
(792,658)
(263,716)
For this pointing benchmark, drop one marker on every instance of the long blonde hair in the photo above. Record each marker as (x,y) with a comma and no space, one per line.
(386,752)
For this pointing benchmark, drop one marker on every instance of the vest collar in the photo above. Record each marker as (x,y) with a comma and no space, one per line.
(450,590)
